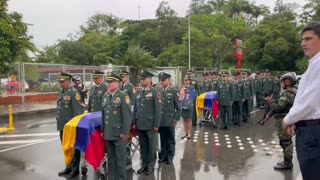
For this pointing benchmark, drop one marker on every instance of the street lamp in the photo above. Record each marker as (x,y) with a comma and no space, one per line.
(189,40)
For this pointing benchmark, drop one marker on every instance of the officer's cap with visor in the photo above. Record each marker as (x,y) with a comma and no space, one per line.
(145,74)
(225,73)
(290,75)
(123,73)
(187,78)
(189,71)
(163,76)
(64,76)
(112,77)
(97,74)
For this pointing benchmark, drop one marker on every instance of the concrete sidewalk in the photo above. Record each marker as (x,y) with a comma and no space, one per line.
(27,109)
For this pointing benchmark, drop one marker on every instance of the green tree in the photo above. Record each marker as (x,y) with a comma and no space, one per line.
(14,41)
(102,24)
(137,59)
(199,7)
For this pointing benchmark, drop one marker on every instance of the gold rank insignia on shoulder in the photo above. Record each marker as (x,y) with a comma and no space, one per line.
(78,97)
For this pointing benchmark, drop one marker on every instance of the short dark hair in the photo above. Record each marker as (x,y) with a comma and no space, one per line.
(314,26)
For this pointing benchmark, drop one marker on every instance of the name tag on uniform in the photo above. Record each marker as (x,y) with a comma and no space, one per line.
(149,95)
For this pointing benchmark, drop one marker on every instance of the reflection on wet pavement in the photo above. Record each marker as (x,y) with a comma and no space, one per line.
(248,152)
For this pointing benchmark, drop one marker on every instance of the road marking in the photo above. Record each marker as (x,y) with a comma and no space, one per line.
(255,111)
(30,135)
(21,141)
(26,145)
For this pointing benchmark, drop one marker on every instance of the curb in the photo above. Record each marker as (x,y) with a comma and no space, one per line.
(4,117)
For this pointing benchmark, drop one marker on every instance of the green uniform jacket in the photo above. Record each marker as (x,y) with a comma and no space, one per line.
(171,108)
(225,93)
(95,97)
(238,87)
(205,86)
(248,88)
(196,85)
(129,89)
(268,86)
(68,106)
(257,85)
(147,109)
(214,84)
(283,105)
(276,86)
(116,115)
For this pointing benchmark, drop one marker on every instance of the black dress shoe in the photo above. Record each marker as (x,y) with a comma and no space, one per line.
(64,172)
(148,172)
(73,174)
(169,161)
(142,169)
(184,136)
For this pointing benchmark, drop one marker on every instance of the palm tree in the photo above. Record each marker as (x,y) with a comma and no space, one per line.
(234,7)
(217,5)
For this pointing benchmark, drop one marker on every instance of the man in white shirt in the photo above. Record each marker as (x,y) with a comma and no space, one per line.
(304,116)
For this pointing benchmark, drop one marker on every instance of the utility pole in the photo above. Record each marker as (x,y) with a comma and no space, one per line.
(138,12)
(189,40)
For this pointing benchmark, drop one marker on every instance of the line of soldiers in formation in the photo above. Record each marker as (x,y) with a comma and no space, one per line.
(149,111)
(236,93)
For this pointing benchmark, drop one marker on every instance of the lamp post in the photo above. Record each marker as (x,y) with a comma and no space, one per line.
(189,40)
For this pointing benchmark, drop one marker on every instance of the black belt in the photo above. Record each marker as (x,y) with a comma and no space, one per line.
(308,123)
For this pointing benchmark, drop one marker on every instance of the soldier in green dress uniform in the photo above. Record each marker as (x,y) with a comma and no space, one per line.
(116,122)
(238,99)
(276,88)
(258,89)
(68,106)
(214,81)
(126,86)
(170,114)
(225,100)
(205,83)
(248,89)
(96,92)
(147,116)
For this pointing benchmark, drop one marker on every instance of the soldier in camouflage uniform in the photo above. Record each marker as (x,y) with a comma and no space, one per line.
(224,98)
(205,85)
(214,81)
(96,92)
(280,108)
(196,85)
(68,106)
(116,122)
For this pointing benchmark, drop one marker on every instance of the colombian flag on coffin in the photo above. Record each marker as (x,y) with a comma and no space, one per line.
(83,133)
(207,101)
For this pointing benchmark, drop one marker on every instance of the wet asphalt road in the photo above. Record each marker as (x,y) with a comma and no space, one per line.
(33,151)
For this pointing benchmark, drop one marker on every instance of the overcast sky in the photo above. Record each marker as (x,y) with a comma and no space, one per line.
(55,19)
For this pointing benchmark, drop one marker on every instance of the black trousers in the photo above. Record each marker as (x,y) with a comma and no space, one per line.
(308,151)
(75,163)
(168,143)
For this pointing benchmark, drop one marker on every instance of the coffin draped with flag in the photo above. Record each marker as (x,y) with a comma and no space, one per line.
(83,133)
(207,101)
